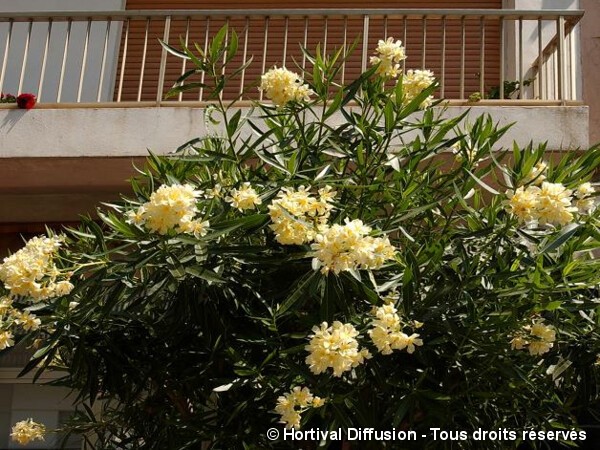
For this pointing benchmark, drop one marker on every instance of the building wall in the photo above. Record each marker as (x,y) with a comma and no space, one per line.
(590,53)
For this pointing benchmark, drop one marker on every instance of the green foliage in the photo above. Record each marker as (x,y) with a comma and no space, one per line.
(180,339)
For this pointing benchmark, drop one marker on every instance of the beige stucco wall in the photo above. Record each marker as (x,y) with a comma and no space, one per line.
(590,43)
(58,163)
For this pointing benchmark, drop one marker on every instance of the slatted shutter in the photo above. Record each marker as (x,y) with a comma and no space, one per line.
(328,32)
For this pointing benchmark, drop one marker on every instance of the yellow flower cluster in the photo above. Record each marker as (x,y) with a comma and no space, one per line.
(297,216)
(171,207)
(283,86)
(386,332)
(348,247)
(537,175)
(6,339)
(334,347)
(413,83)
(550,203)
(31,271)
(26,431)
(243,198)
(10,318)
(538,338)
(389,54)
(292,404)
(584,203)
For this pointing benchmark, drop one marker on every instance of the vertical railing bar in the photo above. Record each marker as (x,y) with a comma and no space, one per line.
(227,20)
(462,57)
(25,57)
(64,61)
(572,72)
(404,38)
(163,62)
(521,87)
(443,77)
(365,46)
(540,76)
(345,43)
(264,55)
(44,61)
(244,55)
(424,37)
(482,56)
(560,24)
(325,36)
(555,71)
(184,60)
(143,69)
(385,27)
(201,95)
(103,65)
(285,41)
(6,50)
(305,42)
(123,61)
(502,58)
(84,60)
(225,53)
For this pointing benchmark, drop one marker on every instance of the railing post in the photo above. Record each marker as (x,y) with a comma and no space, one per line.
(163,61)
(44,60)
(502,57)
(25,56)
(6,50)
(365,46)
(560,30)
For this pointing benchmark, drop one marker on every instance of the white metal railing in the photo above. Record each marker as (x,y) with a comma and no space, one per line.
(115,56)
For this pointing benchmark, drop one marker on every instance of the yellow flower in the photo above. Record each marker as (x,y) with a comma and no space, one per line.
(517,343)
(31,271)
(283,86)
(298,216)
(554,204)
(28,321)
(537,175)
(347,247)
(334,347)
(414,82)
(387,333)
(6,339)
(26,431)
(5,305)
(244,198)
(584,203)
(522,203)
(170,207)
(539,347)
(540,340)
(389,54)
(196,227)
(292,404)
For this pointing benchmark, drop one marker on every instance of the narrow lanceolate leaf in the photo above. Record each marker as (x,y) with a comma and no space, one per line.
(482,183)
(173,51)
(563,236)
(298,292)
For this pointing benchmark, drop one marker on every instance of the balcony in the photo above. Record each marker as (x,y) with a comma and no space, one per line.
(101,80)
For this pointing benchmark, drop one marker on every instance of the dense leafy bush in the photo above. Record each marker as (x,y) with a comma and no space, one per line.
(342,257)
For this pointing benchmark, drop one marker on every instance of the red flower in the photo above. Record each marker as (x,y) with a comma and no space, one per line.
(26,101)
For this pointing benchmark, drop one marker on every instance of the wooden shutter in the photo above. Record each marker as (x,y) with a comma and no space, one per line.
(316,27)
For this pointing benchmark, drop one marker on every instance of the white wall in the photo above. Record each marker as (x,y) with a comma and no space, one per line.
(56,49)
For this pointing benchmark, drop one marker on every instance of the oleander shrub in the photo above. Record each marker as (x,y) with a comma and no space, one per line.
(336,256)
